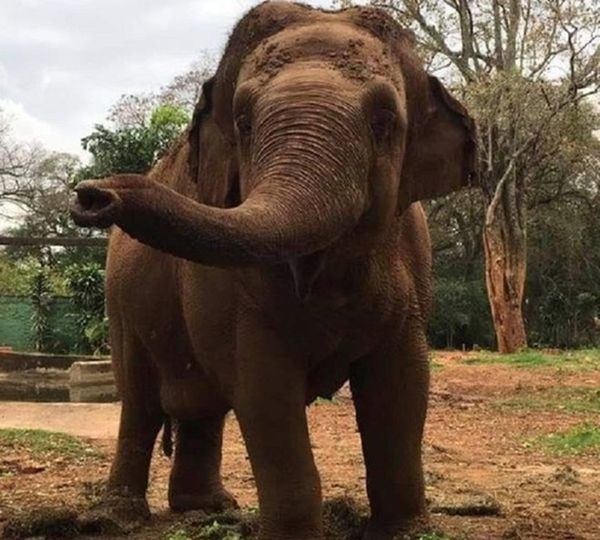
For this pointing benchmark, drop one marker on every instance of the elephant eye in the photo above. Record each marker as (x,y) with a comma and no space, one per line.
(244,124)
(383,123)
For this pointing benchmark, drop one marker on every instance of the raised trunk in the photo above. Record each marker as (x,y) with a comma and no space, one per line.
(505,245)
(265,229)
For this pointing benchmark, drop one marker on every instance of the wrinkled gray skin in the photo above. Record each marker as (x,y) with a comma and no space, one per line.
(280,251)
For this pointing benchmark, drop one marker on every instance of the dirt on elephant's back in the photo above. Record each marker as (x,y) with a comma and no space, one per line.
(494,468)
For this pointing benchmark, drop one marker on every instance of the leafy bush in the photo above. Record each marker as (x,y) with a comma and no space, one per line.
(460,316)
(41,299)
(86,283)
(16,277)
(133,149)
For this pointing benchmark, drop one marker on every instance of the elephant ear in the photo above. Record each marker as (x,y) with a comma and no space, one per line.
(211,159)
(201,111)
(441,154)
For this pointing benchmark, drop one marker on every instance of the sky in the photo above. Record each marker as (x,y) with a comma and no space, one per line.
(63,63)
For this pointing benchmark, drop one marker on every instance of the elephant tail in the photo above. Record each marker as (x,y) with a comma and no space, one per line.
(167,437)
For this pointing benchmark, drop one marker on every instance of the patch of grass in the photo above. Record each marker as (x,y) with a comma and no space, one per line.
(42,523)
(229,525)
(583,359)
(179,534)
(40,443)
(581,438)
(326,401)
(343,518)
(573,400)
(218,531)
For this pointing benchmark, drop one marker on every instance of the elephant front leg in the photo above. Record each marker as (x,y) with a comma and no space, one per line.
(390,389)
(195,481)
(289,490)
(270,406)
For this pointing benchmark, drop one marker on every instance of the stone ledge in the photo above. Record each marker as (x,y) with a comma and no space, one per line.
(91,372)
(21,361)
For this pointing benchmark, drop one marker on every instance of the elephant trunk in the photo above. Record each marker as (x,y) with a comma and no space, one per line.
(305,184)
(261,230)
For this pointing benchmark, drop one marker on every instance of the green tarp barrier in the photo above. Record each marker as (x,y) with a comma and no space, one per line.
(16,330)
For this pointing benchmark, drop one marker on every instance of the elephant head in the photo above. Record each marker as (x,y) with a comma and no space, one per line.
(317,128)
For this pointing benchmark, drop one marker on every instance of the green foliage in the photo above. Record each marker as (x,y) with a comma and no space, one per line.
(460,315)
(179,534)
(213,530)
(127,150)
(433,536)
(133,149)
(563,286)
(16,277)
(218,531)
(41,299)
(583,359)
(46,443)
(86,283)
(167,122)
(579,439)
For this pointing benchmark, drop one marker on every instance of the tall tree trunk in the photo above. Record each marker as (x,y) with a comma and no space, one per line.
(505,245)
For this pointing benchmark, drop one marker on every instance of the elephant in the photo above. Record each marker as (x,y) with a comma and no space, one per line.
(276,252)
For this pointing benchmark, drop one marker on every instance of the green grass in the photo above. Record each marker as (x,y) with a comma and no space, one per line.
(217,531)
(435,366)
(177,535)
(581,438)
(211,531)
(573,400)
(41,443)
(441,536)
(583,359)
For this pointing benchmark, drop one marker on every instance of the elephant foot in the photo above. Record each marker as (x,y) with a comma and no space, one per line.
(115,514)
(212,502)
(403,529)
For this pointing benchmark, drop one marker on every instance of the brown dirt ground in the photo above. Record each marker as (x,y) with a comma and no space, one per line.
(476,449)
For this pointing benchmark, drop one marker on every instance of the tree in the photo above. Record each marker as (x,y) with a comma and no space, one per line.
(141,127)
(17,160)
(133,149)
(525,67)
(563,283)
(183,92)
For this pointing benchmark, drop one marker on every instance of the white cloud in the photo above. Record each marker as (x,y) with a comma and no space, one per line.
(4,81)
(34,35)
(52,76)
(221,8)
(63,63)
(27,128)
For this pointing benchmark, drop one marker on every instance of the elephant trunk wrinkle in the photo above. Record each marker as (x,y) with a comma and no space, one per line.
(316,152)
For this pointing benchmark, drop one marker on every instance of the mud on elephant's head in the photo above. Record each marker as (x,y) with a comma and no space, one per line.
(316,127)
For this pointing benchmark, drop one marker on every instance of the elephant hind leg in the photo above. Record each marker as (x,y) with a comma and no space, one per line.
(195,481)
(141,419)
